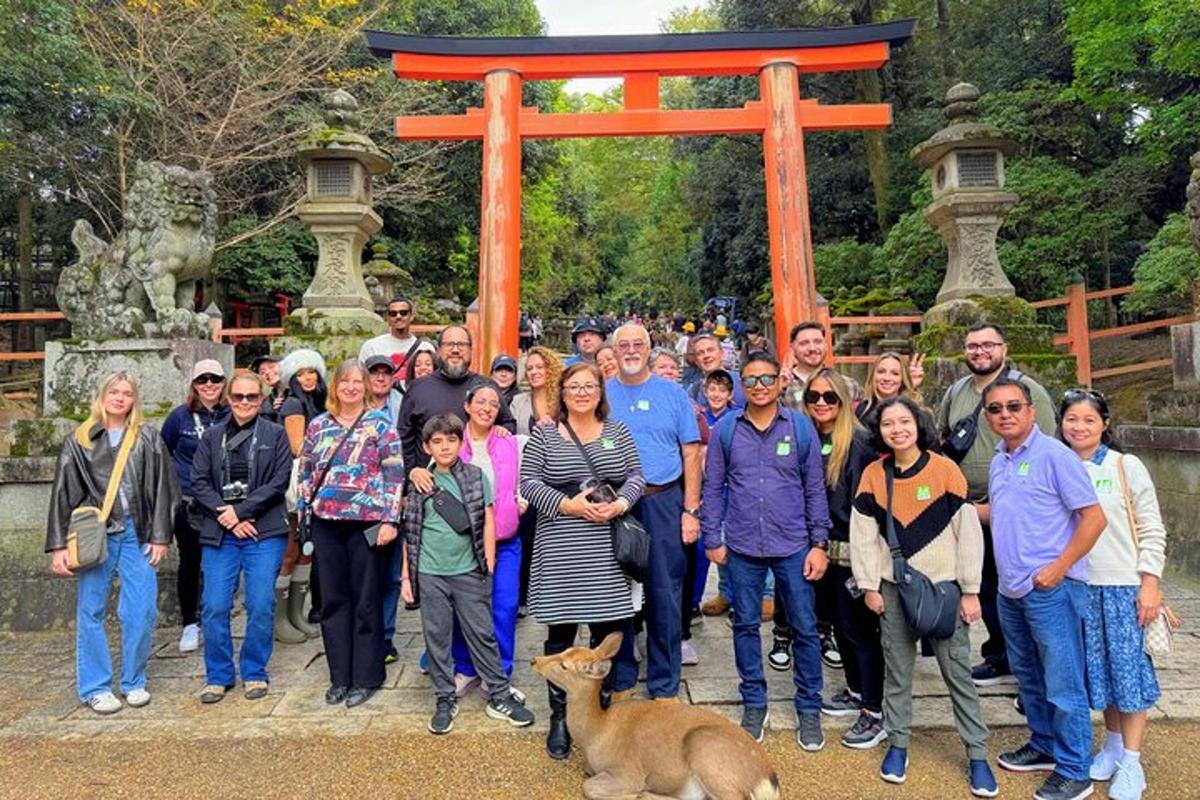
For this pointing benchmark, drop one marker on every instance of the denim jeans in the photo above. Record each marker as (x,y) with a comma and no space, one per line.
(661,515)
(506,590)
(726,592)
(1043,632)
(224,566)
(391,593)
(137,610)
(747,576)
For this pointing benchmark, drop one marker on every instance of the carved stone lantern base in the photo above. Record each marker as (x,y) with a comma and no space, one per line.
(968,222)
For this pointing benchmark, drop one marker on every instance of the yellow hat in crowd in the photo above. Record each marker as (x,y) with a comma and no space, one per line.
(720,331)
(689,327)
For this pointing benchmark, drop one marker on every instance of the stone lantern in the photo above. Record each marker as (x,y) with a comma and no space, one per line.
(339,164)
(966,162)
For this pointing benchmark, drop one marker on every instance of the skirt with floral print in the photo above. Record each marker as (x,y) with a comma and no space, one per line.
(1119,673)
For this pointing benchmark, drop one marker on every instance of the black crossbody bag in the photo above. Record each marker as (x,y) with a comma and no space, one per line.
(630,541)
(931,609)
(304,520)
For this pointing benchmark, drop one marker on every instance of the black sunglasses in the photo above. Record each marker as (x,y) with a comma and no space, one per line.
(402,313)
(750,381)
(238,397)
(208,377)
(1012,407)
(831,397)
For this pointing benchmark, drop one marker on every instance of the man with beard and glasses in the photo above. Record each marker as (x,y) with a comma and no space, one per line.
(398,344)
(986,351)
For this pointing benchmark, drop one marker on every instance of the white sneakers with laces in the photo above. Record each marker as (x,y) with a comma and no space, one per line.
(104,703)
(189,640)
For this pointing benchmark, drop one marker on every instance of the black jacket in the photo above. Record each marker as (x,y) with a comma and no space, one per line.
(149,482)
(264,503)
(470,483)
(436,394)
(841,497)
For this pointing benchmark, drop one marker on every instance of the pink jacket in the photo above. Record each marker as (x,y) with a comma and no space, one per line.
(503,452)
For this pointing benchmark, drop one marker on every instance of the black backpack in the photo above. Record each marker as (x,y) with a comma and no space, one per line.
(962,433)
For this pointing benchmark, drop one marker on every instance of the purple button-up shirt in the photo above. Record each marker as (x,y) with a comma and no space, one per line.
(768,499)
(1036,493)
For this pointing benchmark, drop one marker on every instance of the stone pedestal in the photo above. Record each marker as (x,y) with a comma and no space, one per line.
(1185,356)
(163,367)
(968,223)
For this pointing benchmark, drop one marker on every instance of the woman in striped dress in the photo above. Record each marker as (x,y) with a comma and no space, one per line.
(575,579)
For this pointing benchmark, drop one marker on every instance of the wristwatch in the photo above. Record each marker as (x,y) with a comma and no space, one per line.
(821,545)
(692,512)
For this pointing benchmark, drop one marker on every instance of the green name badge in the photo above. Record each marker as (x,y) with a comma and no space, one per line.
(1023,468)
(827,448)
(608,444)
(783,449)
(643,405)
(1104,485)
(923,493)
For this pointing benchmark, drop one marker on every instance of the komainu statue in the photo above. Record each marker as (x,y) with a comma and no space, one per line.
(143,284)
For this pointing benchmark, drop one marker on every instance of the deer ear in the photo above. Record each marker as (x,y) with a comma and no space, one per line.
(599,669)
(609,647)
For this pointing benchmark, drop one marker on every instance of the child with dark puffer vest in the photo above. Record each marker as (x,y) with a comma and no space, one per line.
(450,546)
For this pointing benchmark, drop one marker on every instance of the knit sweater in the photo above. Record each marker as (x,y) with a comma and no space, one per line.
(1115,561)
(937,528)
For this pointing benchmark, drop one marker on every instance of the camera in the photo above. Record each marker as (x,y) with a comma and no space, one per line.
(234,492)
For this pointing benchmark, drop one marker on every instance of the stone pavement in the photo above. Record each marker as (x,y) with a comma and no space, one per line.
(37,671)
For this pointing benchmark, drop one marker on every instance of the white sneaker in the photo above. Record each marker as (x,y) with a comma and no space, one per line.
(104,703)
(1129,782)
(138,698)
(1104,764)
(688,655)
(464,684)
(189,641)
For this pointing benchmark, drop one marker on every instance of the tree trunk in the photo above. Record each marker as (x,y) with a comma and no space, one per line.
(945,40)
(23,338)
(869,90)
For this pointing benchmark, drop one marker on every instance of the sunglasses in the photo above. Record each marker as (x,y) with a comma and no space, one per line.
(238,397)
(750,381)
(208,377)
(812,398)
(1012,407)
(1073,395)
(403,313)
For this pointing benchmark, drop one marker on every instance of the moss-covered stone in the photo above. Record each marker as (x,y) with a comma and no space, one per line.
(38,437)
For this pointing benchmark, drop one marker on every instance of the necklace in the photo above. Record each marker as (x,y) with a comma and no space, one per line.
(636,400)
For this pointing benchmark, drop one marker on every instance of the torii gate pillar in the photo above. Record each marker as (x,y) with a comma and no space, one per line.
(500,219)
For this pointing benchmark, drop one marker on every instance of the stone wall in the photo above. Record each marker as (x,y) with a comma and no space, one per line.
(31,597)
(1173,457)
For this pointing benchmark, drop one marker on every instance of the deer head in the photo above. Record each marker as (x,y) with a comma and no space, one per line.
(577,667)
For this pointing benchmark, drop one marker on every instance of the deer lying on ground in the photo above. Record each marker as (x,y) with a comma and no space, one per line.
(644,749)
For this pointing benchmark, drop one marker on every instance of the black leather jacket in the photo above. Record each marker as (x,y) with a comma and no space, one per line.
(149,482)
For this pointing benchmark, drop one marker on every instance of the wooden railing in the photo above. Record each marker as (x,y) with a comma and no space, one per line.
(1077,339)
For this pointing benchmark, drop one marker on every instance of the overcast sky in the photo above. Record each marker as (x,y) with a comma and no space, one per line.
(598,17)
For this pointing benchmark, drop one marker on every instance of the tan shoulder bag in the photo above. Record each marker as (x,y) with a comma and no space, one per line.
(87,533)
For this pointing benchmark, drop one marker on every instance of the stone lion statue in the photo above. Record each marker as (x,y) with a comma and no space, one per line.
(144,282)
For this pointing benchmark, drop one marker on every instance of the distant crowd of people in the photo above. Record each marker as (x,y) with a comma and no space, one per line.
(402,476)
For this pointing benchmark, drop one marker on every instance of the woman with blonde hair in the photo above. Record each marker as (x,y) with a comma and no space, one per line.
(889,376)
(543,373)
(114,439)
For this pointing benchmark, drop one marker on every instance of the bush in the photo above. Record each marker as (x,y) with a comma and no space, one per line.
(1167,274)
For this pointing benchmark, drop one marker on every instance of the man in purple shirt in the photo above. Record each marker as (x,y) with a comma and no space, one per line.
(766,492)
(1045,519)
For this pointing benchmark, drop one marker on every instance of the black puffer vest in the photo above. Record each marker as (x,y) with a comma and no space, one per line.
(470,482)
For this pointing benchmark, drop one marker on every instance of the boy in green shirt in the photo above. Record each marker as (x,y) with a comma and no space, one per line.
(450,543)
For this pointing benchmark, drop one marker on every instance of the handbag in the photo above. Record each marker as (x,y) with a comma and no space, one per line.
(1157,638)
(453,511)
(630,541)
(931,609)
(87,531)
(304,518)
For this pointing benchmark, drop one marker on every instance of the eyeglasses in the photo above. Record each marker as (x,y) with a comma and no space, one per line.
(635,346)
(1012,407)
(208,377)
(581,388)
(238,397)
(987,347)
(456,345)
(402,313)
(750,381)
(492,404)
(813,397)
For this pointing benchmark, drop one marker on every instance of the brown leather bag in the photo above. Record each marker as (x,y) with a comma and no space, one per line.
(87,532)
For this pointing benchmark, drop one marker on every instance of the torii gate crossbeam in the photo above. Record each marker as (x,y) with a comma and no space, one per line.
(780,116)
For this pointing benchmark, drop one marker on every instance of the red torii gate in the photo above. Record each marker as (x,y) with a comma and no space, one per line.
(781,116)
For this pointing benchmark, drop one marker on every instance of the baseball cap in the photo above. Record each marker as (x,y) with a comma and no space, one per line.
(503,361)
(258,362)
(207,366)
(379,361)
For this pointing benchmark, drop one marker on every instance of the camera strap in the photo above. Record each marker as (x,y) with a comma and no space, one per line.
(228,446)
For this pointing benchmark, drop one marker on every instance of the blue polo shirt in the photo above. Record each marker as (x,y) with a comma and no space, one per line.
(1035,493)
(661,419)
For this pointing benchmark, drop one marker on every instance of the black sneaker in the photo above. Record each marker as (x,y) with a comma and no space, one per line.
(508,708)
(991,673)
(780,657)
(843,704)
(809,735)
(392,655)
(866,732)
(754,722)
(443,716)
(1058,787)
(829,651)
(1026,759)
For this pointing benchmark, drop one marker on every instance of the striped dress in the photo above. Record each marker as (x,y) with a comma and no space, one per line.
(574,577)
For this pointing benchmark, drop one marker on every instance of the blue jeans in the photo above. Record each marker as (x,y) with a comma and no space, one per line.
(661,514)
(1043,633)
(747,576)
(223,566)
(723,584)
(391,593)
(137,609)
(506,591)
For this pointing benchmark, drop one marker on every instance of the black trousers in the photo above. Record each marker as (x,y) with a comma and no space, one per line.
(856,629)
(989,587)
(689,588)
(187,579)
(525,530)
(624,672)
(352,576)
